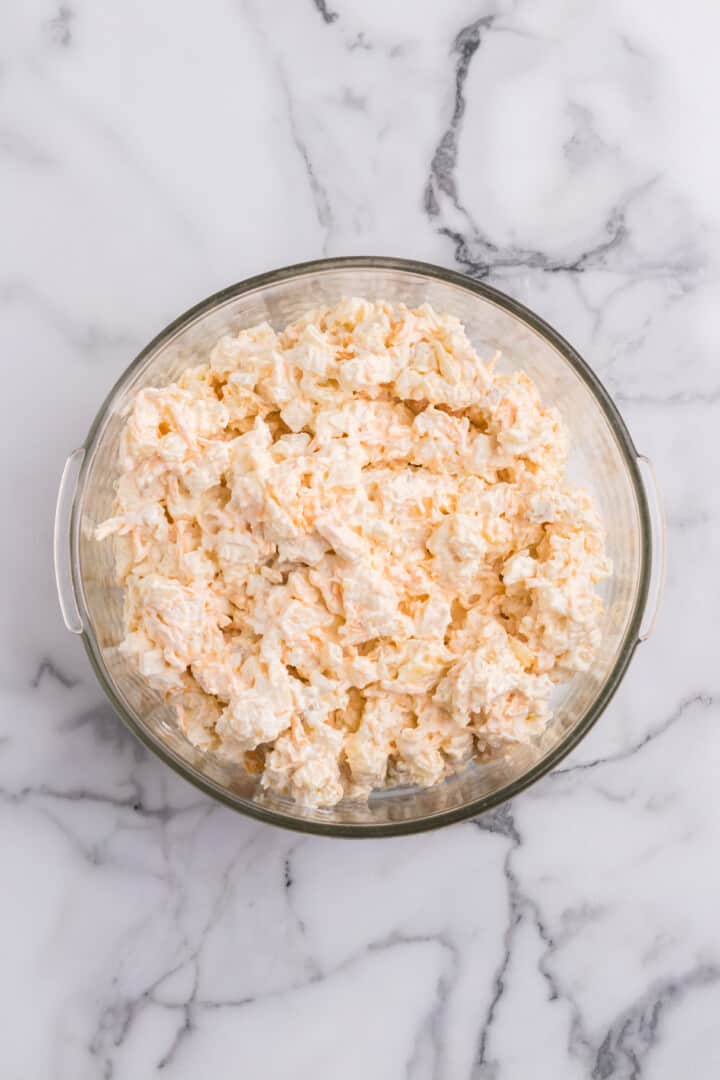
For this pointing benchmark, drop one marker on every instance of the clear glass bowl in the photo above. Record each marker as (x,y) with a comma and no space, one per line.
(603,459)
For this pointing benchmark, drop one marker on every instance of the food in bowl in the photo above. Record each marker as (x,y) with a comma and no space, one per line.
(350,553)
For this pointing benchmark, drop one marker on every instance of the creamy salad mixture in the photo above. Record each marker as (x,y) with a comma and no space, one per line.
(350,554)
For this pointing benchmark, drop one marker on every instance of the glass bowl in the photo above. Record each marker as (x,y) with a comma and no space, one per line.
(603,459)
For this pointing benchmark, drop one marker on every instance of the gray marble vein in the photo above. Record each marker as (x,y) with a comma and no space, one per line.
(327,15)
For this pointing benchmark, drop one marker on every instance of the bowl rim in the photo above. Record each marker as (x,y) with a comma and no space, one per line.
(625,653)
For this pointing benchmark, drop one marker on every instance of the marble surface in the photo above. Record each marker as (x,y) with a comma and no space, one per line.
(151,153)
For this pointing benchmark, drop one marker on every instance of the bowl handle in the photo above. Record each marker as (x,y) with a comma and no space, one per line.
(61,542)
(659,546)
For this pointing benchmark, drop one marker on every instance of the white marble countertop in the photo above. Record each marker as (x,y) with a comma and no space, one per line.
(566,152)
